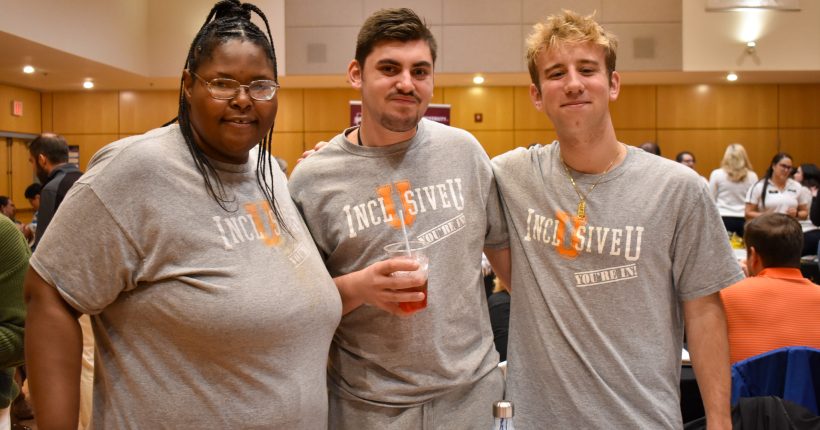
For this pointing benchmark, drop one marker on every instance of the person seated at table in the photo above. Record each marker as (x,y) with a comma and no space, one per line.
(809,177)
(777,192)
(776,306)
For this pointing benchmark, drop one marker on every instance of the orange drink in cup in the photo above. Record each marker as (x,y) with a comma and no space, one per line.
(416,252)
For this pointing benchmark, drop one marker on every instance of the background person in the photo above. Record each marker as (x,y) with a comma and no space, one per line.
(14,256)
(49,156)
(809,176)
(777,192)
(776,306)
(729,185)
(8,209)
(614,252)
(211,307)
(32,194)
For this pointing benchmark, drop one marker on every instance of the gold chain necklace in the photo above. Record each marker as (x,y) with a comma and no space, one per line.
(582,204)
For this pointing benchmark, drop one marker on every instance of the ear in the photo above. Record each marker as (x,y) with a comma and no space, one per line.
(535,96)
(614,86)
(354,74)
(42,160)
(753,262)
(187,84)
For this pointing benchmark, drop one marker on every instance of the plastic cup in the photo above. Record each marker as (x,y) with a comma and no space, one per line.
(416,252)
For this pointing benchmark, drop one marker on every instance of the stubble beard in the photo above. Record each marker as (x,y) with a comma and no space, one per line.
(399,124)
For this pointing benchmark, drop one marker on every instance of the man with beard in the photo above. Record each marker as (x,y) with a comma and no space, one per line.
(397,176)
(49,155)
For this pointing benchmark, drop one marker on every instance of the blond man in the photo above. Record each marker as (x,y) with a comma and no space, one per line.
(614,251)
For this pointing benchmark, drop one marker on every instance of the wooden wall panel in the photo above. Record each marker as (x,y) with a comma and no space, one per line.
(17,174)
(717,106)
(526,138)
(495,104)
(802,144)
(141,111)
(800,106)
(30,122)
(289,146)
(328,109)
(495,142)
(86,113)
(709,145)
(290,115)
(636,137)
(526,117)
(89,144)
(312,138)
(635,107)
(47,111)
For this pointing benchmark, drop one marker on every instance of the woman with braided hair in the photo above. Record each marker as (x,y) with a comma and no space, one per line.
(210,304)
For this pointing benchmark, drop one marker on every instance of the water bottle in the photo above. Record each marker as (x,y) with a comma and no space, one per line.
(503,413)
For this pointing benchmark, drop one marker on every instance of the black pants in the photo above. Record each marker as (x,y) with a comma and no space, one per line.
(734,224)
(810,239)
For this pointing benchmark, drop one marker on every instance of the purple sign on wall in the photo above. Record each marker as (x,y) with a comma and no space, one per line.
(435,112)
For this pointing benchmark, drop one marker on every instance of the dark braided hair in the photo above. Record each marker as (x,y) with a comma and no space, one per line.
(776,159)
(228,20)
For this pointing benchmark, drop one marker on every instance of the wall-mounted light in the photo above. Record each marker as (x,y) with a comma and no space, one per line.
(731,77)
(28,69)
(478,79)
(88,84)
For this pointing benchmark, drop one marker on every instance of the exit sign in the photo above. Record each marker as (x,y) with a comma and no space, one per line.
(16,108)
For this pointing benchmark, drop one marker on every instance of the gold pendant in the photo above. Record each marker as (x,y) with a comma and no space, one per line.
(582,209)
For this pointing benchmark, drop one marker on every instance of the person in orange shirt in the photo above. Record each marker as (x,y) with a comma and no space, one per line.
(776,306)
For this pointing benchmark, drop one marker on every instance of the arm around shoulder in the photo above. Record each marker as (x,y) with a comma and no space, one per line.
(53,351)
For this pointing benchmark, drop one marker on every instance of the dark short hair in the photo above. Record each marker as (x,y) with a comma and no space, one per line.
(651,147)
(4,201)
(400,24)
(32,190)
(777,238)
(679,157)
(53,146)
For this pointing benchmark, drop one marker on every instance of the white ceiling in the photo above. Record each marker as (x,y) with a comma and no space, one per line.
(141,44)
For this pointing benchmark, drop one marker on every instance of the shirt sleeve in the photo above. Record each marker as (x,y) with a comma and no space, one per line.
(703,261)
(86,254)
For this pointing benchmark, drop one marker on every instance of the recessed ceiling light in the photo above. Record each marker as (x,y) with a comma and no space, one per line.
(751,44)
(731,77)
(478,79)
(28,69)
(88,84)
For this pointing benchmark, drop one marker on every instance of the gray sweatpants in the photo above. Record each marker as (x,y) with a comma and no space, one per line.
(467,408)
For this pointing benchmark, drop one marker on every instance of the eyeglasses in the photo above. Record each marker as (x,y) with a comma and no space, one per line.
(784,166)
(226,89)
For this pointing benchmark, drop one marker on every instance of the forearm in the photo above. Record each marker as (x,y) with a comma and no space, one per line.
(708,346)
(348,292)
(53,354)
(501,262)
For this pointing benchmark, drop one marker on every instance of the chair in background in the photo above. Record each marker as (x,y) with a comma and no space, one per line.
(791,373)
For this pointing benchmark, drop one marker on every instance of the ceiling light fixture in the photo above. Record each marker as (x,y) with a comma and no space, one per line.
(478,79)
(731,77)
(736,5)
(28,69)
(88,84)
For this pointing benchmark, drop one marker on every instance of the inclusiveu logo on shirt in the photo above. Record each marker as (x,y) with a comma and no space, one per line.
(555,231)
(258,223)
(413,202)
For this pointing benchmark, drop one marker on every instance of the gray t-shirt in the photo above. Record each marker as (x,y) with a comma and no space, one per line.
(203,318)
(596,321)
(348,195)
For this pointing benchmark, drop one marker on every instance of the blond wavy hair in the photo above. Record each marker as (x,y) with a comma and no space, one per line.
(568,27)
(736,162)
